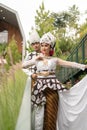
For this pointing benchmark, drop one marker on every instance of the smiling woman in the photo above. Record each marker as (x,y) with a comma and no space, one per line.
(53,106)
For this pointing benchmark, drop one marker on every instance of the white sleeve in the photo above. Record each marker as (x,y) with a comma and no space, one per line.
(28,63)
(78,66)
(71,64)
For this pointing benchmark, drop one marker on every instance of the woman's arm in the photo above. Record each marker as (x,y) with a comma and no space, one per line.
(28,63)
(31,62)
(71,64)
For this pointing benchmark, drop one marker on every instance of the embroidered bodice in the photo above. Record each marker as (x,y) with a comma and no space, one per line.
(47,64)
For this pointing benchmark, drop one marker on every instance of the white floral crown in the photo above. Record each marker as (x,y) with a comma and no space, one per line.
(34,37)
(48,38)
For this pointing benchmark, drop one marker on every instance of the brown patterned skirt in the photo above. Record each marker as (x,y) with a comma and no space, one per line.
(38,96)
(51,109)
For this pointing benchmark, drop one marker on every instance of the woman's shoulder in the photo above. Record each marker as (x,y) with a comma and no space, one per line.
(54,58)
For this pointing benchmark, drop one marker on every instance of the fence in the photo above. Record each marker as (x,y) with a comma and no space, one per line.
(79,54)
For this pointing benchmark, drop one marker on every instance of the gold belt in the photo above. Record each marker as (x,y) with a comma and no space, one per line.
(45,73)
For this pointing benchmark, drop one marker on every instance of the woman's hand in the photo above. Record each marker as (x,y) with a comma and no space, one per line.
(39,57)
(34,76)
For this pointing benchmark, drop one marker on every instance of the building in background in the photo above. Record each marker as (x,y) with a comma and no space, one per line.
(10,25)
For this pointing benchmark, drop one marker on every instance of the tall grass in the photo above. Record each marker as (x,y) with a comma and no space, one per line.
(11,91)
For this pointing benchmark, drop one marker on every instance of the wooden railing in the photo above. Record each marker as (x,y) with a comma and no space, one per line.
(79,54)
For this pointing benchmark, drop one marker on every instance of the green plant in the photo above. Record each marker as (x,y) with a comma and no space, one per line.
(3,49)
(11,93)
(13,56)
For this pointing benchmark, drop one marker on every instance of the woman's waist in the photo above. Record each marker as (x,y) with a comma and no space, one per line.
(45,73)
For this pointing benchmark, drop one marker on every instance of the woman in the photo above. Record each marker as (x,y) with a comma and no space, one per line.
(47,90)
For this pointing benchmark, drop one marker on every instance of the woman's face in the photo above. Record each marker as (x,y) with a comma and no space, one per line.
(45,49)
